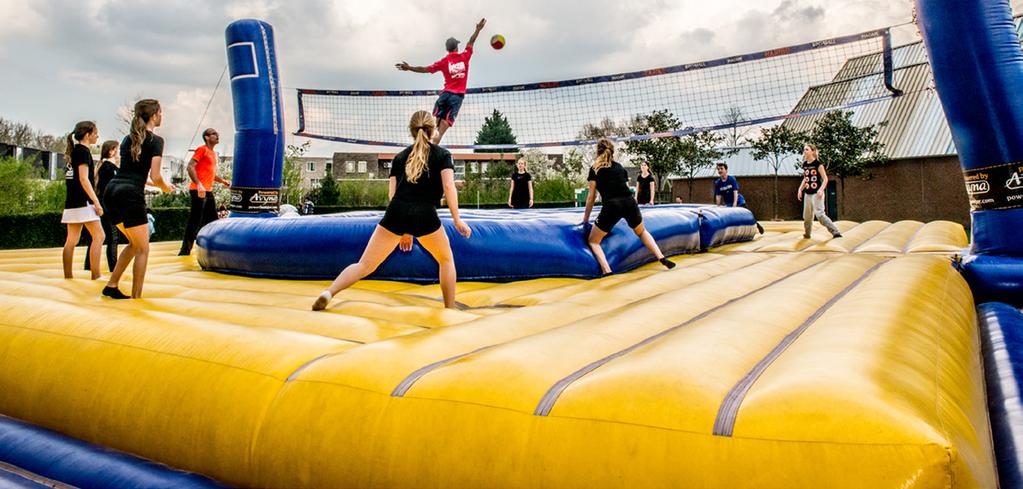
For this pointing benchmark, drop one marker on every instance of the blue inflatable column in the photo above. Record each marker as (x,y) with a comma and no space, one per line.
(258,118)
(978,72)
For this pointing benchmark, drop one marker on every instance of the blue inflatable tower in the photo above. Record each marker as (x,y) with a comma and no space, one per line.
(258,118)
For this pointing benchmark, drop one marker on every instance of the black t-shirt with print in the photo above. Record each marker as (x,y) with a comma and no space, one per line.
(643,188)
(612,182)
(76,196)
(812,176)
(428,187)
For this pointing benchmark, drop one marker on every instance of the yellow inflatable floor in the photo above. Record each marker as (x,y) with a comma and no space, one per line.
(779,363)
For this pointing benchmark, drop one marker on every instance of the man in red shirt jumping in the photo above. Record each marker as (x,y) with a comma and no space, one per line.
(455,67)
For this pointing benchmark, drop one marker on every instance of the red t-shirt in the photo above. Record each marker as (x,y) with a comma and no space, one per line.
(205,167)
(455,67)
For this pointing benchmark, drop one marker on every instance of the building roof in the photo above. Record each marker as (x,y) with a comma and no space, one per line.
(916,121)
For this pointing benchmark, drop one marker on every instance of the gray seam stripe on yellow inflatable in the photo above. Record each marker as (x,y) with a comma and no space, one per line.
(909,242)
(306,364)
(725,422)
(861,245)
(413,377)
(548,400)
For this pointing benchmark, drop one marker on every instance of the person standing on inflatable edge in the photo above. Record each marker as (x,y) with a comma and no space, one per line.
(726,191)
(455,67)
(202,171)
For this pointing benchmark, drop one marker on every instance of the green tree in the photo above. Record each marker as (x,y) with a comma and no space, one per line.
(662,155)
(699,150)
(496,130)
(16,185)
(847,150)
(571,165)
(329,192)
(291,181)
(774,145)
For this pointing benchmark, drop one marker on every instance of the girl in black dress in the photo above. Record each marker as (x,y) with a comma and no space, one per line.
(521,194)
(645,185)
(82,208)
(610,179)
(105,172)
(420,175)
(141,159)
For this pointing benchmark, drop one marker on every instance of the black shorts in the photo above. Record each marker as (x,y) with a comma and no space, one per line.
(447,106)
(415,218)
(124,203)
(614,210)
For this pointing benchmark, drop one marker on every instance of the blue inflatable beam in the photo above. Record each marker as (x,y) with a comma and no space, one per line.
(1002,337)
(505,244)
(79,464)
(258,118)
(975,55)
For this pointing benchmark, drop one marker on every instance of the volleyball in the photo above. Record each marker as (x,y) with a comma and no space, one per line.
(497,42)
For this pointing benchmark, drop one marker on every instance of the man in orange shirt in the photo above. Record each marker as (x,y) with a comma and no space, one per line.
(202,170)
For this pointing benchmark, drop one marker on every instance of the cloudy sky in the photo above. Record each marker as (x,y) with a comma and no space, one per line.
(64,61)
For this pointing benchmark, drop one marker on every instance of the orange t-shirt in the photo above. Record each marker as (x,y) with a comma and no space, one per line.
(205,167)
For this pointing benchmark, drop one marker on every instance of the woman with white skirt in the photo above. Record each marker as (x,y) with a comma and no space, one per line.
(81,205)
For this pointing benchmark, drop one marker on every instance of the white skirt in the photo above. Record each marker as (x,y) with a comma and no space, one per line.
(79,215)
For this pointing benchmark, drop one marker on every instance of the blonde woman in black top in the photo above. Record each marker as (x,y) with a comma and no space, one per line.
(520,195)
(420,175)
(610,179)
(82,208)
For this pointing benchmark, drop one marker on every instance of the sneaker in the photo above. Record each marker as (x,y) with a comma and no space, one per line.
(836,235)
(667,263)
(806,236)
(608,274)
(114,293)
(322,301)
(760,229)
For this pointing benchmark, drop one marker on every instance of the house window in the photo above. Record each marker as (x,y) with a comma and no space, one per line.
(362,167)
(349,167)
(328,167)
(311,167)
(314,182)
(483,167)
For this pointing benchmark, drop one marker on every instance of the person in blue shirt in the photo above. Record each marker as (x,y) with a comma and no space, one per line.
(726,191)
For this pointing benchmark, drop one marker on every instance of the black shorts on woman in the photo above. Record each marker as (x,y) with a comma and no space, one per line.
(413,209)
(124,200)
(617,200)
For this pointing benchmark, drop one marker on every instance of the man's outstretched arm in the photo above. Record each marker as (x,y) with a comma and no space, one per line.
(403,66)
(476,33)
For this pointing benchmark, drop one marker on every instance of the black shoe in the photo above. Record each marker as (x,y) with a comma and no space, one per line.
(114,293)
(608,274)
(184,253)
(667,263)
(806,236)
(760,229)
(836,235)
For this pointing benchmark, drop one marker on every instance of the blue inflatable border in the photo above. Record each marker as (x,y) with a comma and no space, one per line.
(83,465)
(506,245)
(1002,341)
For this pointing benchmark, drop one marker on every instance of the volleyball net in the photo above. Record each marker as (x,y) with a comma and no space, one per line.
(737,91)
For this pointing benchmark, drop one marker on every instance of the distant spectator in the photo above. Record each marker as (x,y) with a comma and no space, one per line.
(308,207)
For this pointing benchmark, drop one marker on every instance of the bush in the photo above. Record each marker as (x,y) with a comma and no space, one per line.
(363,193)
(171,200)
(44,229)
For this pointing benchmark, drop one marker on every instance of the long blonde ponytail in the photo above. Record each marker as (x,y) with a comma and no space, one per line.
(605,154)
(145,109)
(421,126)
